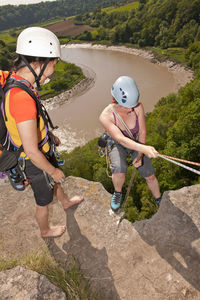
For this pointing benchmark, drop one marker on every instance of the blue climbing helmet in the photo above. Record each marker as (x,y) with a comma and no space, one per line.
(125,92)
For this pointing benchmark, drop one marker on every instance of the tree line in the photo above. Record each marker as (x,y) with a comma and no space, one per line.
(24,15)
(160,23)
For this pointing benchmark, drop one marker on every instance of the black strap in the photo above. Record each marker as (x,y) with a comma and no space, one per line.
(12,83)
(41,111)
(37,77)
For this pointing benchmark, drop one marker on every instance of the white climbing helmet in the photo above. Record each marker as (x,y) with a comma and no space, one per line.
(125,92)
(38,42)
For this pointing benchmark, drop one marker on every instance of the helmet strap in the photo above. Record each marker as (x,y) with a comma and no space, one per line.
(37,77)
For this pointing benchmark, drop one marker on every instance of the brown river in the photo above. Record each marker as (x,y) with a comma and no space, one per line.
(80,114)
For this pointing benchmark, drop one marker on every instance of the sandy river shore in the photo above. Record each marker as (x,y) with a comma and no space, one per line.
(69,139)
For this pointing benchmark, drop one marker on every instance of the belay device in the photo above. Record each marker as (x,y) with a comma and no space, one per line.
(105,143)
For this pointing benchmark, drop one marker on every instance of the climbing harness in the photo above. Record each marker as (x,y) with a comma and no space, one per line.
(10,160)
(53,150)
(105,145)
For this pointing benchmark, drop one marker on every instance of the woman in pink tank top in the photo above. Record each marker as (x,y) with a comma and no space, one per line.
(129,138)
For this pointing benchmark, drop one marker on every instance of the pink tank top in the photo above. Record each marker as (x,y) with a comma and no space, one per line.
(134,130)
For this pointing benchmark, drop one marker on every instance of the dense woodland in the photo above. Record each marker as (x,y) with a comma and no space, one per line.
(161,23)
(24,15)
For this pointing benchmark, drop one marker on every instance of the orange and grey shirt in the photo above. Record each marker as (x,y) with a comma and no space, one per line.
(20,107)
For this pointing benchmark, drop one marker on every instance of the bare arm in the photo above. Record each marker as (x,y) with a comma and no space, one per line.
(142,124)
(137,162)
(117,135)
(28,134)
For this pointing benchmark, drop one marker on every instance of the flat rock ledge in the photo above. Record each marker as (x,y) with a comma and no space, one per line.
(156,259)
(22,284)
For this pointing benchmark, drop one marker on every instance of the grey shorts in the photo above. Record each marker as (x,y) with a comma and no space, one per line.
(118,156)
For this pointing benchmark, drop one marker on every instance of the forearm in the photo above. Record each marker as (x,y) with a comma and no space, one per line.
(130,144)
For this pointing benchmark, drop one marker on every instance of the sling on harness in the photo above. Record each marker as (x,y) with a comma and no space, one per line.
(9,154)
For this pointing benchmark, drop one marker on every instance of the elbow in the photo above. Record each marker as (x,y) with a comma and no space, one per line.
(121,140)
(101,120)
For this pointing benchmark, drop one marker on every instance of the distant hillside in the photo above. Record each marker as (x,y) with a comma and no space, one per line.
(23,15)
(160,23)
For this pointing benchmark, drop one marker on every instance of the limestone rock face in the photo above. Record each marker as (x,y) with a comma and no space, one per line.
(21,284)
(155,259)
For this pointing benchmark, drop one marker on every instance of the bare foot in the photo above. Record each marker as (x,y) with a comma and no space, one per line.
(74,200)
(54,231)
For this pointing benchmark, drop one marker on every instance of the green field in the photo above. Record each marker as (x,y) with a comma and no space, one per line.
(130,6)
(9,36)
(176,54)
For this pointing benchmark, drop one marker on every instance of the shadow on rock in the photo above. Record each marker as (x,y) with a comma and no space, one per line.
(92,262)
(173,233)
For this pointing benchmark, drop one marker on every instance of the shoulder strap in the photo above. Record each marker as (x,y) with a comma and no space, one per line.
(40,108)
(123,123)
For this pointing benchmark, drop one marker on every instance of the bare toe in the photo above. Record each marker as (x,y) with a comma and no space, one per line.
(54,231)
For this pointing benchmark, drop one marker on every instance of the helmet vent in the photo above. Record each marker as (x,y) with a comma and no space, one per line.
(124,97)
(29,39)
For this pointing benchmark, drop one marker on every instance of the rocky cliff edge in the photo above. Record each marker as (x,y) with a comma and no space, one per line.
(155,259)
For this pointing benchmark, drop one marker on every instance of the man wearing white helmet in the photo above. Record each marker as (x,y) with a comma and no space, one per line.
(125,104)
(38,51)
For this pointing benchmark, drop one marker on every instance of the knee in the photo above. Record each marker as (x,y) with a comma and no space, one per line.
(119,175)
(150,179)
